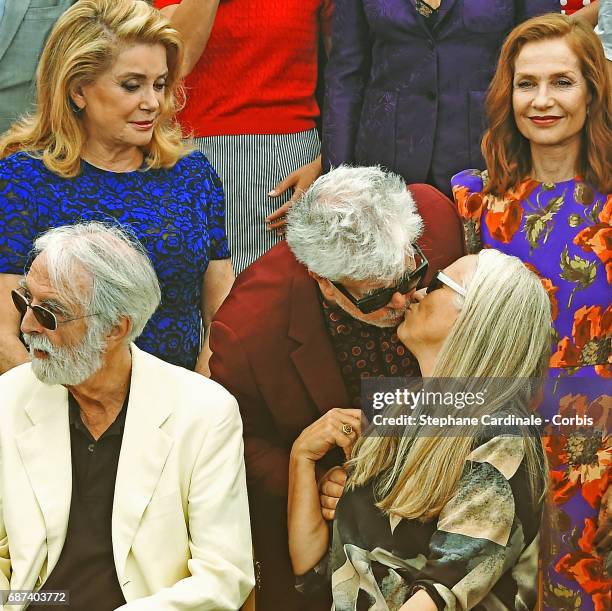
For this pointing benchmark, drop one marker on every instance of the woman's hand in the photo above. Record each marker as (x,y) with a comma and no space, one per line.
(308,532)
(299,180)
(419,601)
(338,427)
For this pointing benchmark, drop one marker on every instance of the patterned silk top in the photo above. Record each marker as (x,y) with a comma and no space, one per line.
(481,552)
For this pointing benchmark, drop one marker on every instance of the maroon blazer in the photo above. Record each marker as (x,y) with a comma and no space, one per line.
(272,351)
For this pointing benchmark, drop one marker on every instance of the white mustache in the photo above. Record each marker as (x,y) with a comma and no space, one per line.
(39,342)
(397,315)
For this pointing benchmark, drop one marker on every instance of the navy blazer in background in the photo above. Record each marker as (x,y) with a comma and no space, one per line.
(411,99)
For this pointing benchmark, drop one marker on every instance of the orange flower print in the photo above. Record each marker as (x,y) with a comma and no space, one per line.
(504,215)
(550,289)
(598,239)
(587,569)
(590,343)
(523,190)
(503,225)
(606,213)
(580,459)
(469,204)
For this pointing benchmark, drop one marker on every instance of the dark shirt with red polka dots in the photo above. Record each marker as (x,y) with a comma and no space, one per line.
(365,351)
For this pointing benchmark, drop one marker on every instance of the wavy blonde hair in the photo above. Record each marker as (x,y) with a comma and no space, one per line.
(416,475)
(83,44)
(505,150)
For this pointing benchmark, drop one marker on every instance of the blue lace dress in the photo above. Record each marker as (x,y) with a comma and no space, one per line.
(178,214)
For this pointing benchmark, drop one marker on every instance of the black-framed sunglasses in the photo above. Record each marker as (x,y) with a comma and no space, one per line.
(440,279)
(45,317)
(380,298)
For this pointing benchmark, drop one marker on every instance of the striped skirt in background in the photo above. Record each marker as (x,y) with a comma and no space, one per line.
(250,167)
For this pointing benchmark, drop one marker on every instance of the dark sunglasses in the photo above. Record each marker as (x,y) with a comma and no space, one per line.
(440,279)
(380,298)
(45,317)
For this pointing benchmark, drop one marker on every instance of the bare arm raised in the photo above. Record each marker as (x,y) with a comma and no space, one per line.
(194,21)
(12,351)
(308,533)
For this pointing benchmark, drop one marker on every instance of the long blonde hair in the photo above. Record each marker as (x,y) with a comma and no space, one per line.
(416,475)
(82,45)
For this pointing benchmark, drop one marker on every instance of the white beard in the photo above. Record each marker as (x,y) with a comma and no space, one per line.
(67,365)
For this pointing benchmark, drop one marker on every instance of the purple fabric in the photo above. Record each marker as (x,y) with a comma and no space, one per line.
(553,228)
(411,99)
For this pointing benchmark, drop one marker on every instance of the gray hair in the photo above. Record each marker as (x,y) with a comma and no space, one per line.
(504,330)
(123,281)
(490,337)
(357,223)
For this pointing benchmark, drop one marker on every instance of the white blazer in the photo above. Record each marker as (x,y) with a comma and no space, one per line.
(180,525)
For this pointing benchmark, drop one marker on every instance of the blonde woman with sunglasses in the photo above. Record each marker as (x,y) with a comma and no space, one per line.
(436,522)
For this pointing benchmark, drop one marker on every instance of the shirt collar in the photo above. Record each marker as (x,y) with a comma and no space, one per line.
(75,420)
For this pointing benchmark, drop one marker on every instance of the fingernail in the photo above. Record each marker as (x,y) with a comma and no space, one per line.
(272,193)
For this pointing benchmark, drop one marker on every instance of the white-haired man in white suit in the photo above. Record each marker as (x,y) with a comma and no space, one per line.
(121,476)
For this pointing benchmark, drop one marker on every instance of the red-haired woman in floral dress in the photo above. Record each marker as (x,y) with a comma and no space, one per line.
(546,199)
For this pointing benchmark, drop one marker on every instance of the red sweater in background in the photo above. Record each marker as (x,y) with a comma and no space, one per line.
(571,6)
(258,72)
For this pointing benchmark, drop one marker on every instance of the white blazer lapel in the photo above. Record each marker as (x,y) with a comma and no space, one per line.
(144,451)
(45,452)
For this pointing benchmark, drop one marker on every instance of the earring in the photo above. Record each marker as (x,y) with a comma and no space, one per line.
(75,109)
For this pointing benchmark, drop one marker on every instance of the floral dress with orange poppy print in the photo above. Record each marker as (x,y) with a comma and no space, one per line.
(562,232)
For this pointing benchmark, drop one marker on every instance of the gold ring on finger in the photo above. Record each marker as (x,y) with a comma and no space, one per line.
(347,429)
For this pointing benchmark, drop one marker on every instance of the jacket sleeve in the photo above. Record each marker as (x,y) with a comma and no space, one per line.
(221,563)
(526,9)
(467,189)
(346,76)
(266,457)
(5,558)
(479,535)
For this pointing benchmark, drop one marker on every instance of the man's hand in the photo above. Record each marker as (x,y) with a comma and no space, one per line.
(603,536)
(331,487)
(299,180)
